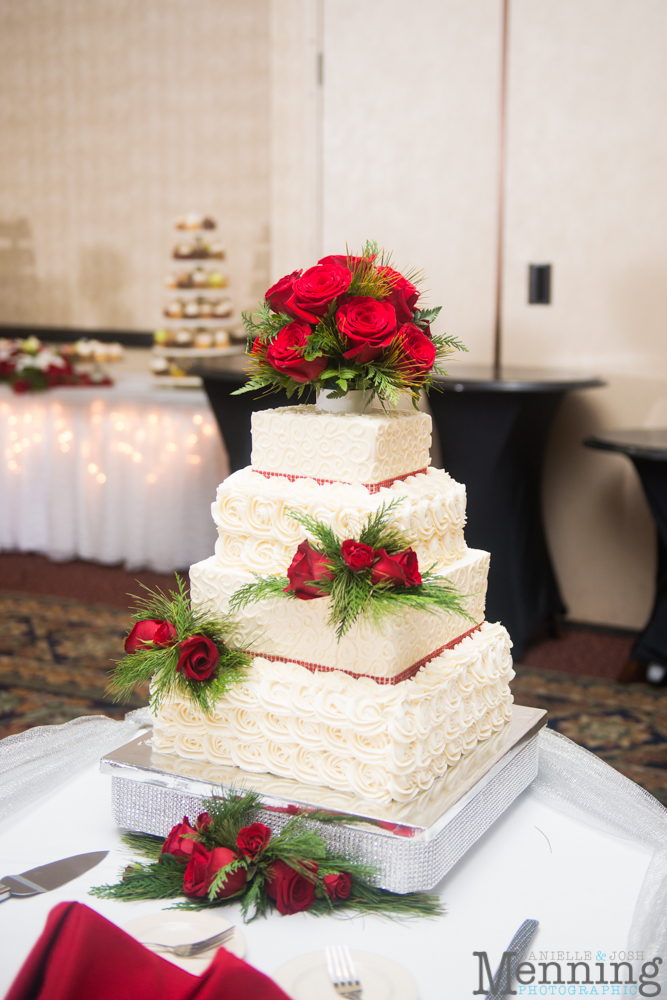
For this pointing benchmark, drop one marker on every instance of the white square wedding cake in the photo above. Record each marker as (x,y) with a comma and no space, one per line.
(387,709)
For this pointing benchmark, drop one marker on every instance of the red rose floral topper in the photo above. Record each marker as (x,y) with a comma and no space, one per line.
(180,648)
(229,857)
(369,578)
(347,323)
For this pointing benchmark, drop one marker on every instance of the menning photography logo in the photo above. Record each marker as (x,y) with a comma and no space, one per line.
(562,973)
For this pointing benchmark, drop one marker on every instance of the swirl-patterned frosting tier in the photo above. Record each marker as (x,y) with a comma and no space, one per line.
(298,630)
(351,447)
(257,534)
(382,742)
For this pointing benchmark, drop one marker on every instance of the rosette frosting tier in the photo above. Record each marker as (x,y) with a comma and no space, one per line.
(388,708)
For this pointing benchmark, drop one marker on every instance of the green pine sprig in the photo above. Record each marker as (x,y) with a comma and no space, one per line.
(161,664)
(352,595)
(297,844)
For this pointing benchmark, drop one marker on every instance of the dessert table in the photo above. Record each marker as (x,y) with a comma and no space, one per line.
(647,448)
(124,474)
(577,879)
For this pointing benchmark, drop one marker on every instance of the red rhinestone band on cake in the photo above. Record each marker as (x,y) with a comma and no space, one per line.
(371,487)
(403,676)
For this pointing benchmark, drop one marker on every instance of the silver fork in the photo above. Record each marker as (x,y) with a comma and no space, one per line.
(194,949)
(342,973)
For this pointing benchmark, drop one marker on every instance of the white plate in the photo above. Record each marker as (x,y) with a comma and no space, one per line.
(174,927)
(306,978)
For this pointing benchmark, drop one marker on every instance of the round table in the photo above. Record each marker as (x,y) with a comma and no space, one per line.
(493,428)
(647,448)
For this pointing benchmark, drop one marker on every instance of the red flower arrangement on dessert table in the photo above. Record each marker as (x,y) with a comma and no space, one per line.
(347,323)
(227,856)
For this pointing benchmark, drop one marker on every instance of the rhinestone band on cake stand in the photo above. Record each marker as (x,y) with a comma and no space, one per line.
(411,844)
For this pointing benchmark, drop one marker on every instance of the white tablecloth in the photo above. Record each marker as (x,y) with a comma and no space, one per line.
(581,884)
(125,474)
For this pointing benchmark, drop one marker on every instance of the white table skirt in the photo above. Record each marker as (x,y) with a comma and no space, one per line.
(119,475)
(580,883)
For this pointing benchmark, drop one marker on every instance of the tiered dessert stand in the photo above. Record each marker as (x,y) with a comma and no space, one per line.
(197,308)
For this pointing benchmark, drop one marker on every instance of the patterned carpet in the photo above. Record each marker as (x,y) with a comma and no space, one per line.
(55,661)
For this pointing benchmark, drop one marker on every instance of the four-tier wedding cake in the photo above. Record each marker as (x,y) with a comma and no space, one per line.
(386,708)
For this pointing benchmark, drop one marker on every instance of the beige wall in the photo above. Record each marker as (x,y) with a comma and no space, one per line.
(410,118)
(120,115)
(587,190)
(116,117)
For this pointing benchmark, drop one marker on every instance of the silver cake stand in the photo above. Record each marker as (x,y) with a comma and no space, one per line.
(411,844)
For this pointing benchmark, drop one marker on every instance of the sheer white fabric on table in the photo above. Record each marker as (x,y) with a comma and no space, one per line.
(577,782)
(35,762)
(119,475)
(570,779)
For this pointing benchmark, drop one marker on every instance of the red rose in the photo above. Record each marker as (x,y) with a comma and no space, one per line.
(338,885)
(22,385)
(368,326)
(291,890)
(401,569)
(7,368)
(357,556)
(316,289)
(403,295)
(285,354)
(177,843)
(203,822)
(251,840)
(150,630)
(199,657)
(279,293)
(410,566)
(306,567)
(203,867)
(418,352)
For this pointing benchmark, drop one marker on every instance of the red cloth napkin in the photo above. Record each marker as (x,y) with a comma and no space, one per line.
(82,956)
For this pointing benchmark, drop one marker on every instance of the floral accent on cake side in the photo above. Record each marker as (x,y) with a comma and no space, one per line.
(180,649)
(347,323)
(227,856)
(365,578)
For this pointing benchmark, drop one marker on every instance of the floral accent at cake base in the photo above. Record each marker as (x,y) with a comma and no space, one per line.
(225,857)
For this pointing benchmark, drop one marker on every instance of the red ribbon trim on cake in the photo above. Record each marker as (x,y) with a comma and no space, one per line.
(403,676)
(371,487)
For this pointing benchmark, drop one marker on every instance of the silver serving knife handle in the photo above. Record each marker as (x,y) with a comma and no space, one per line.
(16,885)
(517,947)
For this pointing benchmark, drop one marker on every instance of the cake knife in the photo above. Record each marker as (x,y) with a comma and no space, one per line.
(48,877)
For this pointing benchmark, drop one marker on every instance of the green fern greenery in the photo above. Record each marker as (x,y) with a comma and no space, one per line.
(352,595)
(160,876)
(160,665)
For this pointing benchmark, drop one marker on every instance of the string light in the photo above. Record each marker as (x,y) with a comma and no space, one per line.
(197,419)
(207,430)
(92,468)
(191,439)
(100,477)
(193,459)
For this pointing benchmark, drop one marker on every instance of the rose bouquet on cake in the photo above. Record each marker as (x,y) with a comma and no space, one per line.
(348,323)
